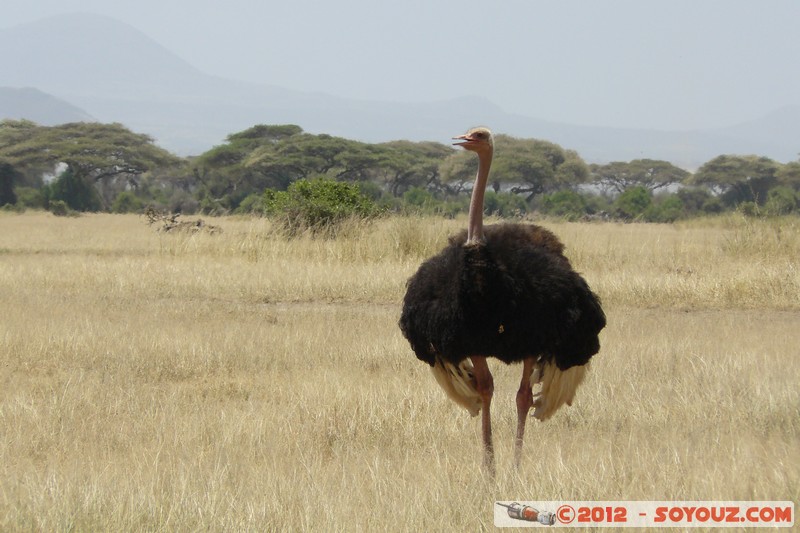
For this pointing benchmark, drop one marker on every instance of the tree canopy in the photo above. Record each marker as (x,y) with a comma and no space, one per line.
(90,166)
(403,165)
(274,157)
(103,154)
(648,173)
(738,178)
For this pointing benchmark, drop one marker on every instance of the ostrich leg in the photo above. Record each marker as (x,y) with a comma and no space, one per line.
(485,385)
(524,403)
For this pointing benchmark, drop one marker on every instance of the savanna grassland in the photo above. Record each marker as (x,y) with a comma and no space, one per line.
(243,381)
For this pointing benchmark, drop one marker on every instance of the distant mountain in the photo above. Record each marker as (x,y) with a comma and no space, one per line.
(42,108)
(118,74)
(780,127)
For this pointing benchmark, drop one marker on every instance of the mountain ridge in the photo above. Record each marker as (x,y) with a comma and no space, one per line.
(45,109)
(116,73)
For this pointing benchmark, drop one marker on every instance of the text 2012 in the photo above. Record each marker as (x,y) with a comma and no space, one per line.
(592,515)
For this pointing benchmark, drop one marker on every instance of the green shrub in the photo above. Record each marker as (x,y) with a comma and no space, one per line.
(452,208)
(13,208)
(694,198)
(419,199)
(633,202)
(127,202)
(504,204)
(598,204)
(60,208)
(252,204)
(713,205)
(75,192)
(749,209)
(567,204)
(30,197)
(781,201)
(319,205)
(667,209)
(371,190)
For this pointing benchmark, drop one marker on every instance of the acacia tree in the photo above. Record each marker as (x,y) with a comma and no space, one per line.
(648,173)
(108,156)
(528,166)
(403,165)
(12,134)
(539,167)
(304,155)
(737,178)
(459,169)
(221,172)
(273,157)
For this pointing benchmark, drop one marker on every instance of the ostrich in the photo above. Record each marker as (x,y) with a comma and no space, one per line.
(505,291)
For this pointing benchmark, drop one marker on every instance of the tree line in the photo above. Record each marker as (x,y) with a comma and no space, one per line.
(106,167)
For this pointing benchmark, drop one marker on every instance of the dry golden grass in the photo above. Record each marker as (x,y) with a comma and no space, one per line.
(246,382)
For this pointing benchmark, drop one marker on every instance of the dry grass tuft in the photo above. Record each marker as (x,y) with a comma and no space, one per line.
(169,222)
(243,381)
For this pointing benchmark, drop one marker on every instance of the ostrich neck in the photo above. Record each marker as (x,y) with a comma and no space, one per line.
(475,228)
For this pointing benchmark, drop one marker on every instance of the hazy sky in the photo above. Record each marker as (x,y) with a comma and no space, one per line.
(674,64)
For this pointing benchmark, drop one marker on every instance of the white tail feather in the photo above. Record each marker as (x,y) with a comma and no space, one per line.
(558,388)
(458,383)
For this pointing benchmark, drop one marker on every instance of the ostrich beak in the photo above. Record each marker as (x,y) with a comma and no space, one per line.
(466,139)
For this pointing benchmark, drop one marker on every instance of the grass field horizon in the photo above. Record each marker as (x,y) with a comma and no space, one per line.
(246,381)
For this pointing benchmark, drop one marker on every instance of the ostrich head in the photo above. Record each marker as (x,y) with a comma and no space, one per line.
(478,140)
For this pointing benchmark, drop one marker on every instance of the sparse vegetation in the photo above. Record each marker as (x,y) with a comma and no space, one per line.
(99,167)
(248,381)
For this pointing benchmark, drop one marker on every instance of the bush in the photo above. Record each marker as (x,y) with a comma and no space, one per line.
(697,200)
(30,197)
(75,192)
(693,198)
(252,204)
(598,204)
(452,208)
(781,201)
(12,208)
(633,202)
(567,204)
(60,208)
(371,190)
(749,209)
(668,209)
(127,202)
(319,205)
(713,206)
(419,199)
(504,204)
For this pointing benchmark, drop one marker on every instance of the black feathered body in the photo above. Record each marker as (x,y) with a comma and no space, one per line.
(512,296)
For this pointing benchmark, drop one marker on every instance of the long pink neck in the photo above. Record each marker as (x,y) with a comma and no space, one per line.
(475,228)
